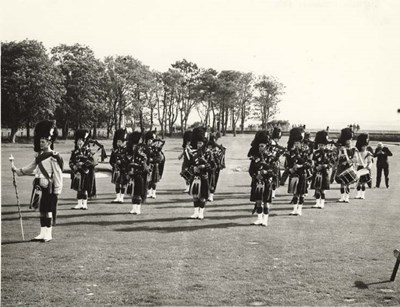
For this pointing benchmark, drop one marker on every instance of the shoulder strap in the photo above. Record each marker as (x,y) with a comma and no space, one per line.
(43,170)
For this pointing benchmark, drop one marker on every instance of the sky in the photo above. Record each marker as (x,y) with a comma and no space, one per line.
(339,60)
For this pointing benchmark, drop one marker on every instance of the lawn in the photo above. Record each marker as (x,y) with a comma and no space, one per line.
(341,255)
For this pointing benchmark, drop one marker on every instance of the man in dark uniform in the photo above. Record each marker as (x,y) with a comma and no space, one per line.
(262,171)
(322,161)
(218,152)
(137,171)
(155,160)
(119,165)
(298,161)
(82,166)
(200,163)
(382,153)
(186,150)
(345,160)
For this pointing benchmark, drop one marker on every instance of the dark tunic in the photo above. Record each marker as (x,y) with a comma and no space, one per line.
(320,178)
(218,156)
(263,172)
(83,176)
(119,163)
(199,185)
(137,171)
(301,158)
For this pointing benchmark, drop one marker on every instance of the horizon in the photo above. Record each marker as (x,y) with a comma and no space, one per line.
(338,60)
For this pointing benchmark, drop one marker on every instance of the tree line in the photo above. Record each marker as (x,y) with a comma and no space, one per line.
(70,84)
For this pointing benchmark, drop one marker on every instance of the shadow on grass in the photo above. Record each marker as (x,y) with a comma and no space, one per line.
(172,229)
(361,285)
(15,242)
(137,220)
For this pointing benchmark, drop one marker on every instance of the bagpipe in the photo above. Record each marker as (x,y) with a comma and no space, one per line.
(137,167)
(100,146)
(201,163)
(266,168)
(219,154)
(264,174)
(157,145)
(137,161)
(119,166)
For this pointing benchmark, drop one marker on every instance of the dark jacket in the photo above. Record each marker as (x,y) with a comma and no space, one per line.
(382,155)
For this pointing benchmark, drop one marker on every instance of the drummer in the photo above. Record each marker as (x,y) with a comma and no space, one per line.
(364,162)
(345,161)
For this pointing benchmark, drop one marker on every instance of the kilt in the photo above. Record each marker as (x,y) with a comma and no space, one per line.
(300,188)
(264,194)
(139,189)
(322,179)
(200,188)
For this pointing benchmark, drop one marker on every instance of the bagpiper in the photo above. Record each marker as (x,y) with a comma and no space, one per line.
(200,163)
(345,173)
(82,167)
(278,151)
(298,162)
(364,164)
(322,161)
(137,170)
(186,152)
(218,153)
(47,167)
(119,164)
(156,161)
(262,171)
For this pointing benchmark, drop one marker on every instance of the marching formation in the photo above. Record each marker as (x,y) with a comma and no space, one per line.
(137,161)
(310,165)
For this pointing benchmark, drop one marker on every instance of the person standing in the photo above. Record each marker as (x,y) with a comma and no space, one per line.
(156,161)
(298,162)
(82,166)
(218,153)
(137,171)
(279,151)
(382,153)
(262,172)
(186,151)
(364,162)
(345,162)
(47,167)
(119,165)
(322,160)
(200,163)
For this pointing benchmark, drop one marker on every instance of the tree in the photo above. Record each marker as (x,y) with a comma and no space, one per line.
(168,96)
(267,98)
(226,97)
(31,86)
(82,74)
(127,90)
(245,97)
(190,73)
(205,92)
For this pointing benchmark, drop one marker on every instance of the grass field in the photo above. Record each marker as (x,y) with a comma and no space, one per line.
(342,255)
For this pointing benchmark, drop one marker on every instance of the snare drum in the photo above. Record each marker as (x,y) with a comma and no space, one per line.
(348,176)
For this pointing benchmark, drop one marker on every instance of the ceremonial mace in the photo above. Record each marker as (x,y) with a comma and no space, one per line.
(16,194)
